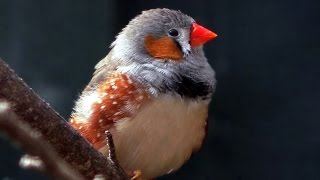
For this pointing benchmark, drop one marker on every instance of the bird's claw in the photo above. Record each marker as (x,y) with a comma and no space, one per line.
(136,175)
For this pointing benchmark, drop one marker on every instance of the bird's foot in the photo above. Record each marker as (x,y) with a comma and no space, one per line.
(136,175)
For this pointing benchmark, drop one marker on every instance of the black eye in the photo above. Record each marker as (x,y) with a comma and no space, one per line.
(173,32)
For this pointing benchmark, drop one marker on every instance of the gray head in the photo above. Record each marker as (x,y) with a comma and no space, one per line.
(157,23)
(162,49)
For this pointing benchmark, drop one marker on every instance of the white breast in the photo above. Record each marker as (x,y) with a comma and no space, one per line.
(162,136)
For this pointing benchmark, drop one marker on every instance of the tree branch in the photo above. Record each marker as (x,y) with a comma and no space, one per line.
(32,143)
(67,143)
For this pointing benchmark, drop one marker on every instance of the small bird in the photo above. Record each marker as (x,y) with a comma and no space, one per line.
(151,92)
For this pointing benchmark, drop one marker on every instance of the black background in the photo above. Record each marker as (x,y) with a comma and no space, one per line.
(264,119)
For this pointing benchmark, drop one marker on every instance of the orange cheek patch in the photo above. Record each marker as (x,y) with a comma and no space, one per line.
(163,48)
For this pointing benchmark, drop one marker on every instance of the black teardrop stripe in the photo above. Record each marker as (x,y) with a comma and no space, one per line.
(178,45)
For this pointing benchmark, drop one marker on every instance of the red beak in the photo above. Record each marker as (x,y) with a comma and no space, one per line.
(200,35)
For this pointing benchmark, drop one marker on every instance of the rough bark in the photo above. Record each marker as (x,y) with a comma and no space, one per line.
(66,142)
(42,157)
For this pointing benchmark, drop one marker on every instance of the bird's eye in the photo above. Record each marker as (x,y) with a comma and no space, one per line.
(173,32)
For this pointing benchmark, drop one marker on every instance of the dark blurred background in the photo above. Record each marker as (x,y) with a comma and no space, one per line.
(265,117)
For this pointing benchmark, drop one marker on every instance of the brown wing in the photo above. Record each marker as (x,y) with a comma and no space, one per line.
(117,98)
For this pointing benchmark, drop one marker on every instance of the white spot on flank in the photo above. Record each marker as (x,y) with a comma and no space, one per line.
(111,96)
(102,107)
(98,135)
(114,102)
(80,127)
(140,97)
(100,121)
(114,87)
(130,92)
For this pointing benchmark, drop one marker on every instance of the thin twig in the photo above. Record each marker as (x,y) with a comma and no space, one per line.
(112,150)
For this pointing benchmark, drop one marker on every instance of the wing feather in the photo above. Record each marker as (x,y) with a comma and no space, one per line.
(114,98)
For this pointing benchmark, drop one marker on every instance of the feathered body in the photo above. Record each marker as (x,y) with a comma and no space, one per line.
(151,92)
